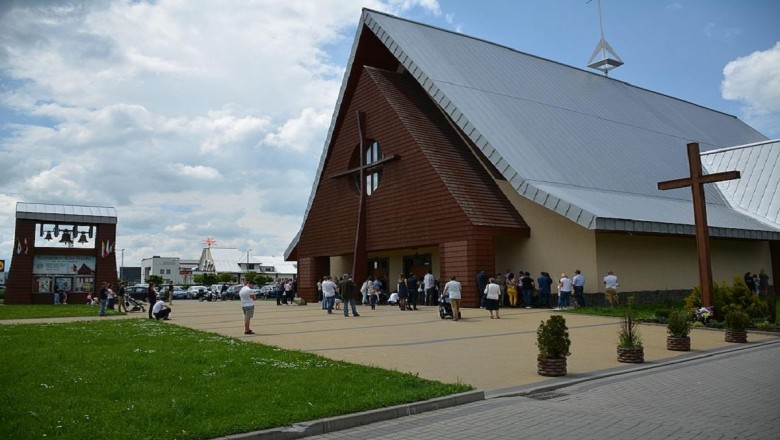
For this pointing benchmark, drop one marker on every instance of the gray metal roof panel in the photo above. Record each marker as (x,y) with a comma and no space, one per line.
(66,213)
(757,192)
(560,124)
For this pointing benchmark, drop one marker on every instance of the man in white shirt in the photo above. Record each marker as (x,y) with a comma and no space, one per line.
(329,294)
(611,285)
(564,292)
(160,310)
(429,283)
(453,290)
(247,297)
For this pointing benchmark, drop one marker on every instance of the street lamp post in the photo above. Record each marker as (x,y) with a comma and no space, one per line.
(246,267)
(122,266)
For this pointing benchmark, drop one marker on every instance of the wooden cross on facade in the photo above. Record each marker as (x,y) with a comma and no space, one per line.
(360,255)
(696,182)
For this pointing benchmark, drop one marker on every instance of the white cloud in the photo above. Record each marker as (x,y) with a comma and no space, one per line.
(193,119)
(754,80)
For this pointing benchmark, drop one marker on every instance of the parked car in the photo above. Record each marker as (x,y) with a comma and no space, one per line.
(195,292)
(179,293)
(138,291)
(232,292)
(268,291)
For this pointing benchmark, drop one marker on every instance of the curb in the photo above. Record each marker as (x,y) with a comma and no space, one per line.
(332,424)
(338,423)
(555,384)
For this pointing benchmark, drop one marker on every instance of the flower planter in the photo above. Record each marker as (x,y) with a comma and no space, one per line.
(678,344)
(634,355)
(551,367)
(736,336)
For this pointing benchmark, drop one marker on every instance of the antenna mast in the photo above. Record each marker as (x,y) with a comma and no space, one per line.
(605,63)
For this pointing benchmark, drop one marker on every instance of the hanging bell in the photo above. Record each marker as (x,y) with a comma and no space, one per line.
(83,238)
(48,236)
(66,237)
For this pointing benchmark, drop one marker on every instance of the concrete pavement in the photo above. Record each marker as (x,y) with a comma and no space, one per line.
(491,354)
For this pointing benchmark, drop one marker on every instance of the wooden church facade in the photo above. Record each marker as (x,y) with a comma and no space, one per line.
(443,199)
(435,197)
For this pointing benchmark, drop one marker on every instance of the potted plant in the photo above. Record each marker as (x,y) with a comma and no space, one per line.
(552,338)
(629,349)
(736,322)
(679,328)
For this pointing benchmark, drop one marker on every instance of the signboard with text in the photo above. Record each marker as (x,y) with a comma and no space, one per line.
(63,265)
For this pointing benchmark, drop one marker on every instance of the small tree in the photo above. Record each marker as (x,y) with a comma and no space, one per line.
(156,279)
(628,335)
(679,325)
(251,276)
(736,319)
(552,338)
(225,278)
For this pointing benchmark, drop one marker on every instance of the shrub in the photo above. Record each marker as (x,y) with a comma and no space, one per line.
(552,338)
(693,301)
(736,319)
(662,313)
(724,295)
(679,325)
(628,335)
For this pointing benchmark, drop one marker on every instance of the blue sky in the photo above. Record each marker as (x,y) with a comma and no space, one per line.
(207,118)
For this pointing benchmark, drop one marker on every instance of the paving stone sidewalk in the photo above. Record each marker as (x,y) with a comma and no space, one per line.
(731,395)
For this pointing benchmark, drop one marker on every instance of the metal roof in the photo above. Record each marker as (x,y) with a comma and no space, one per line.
(757,192)
(66,213)
(589,147)
(230,260)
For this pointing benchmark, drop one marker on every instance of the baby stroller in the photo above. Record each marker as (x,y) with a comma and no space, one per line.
(445,308)
(133,305)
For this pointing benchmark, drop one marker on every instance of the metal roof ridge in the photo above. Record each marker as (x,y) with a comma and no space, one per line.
(599,75)
(739,147)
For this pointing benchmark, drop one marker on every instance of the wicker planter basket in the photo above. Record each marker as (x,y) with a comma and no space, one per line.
(551,367)
(634,355)
(736,336)
(678,344)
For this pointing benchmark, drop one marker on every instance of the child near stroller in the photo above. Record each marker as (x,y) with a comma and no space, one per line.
(445,308)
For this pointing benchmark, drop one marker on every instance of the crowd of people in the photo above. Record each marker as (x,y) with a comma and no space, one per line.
(522,290)
(757,283)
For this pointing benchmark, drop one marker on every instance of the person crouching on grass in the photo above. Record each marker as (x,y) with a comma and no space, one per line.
(247,297)
(160,310)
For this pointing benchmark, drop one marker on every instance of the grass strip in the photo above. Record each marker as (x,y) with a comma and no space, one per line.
(145,379)
(30,311)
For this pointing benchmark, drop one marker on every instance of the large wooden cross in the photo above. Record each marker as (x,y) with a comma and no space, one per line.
(696,182)
(360,255)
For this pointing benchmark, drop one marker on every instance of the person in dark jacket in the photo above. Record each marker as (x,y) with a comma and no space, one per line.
(348,292)
(151,296)
(411,288)
(482,282)
(403,294)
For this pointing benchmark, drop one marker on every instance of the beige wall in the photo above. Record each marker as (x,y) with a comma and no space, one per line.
(644,262)
(556,244)
(641,262)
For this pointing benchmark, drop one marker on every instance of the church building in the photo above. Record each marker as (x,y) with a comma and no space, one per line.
(451,154)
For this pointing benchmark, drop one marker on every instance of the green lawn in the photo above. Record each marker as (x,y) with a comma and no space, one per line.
(643,311)
(26,311)
(144,379)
